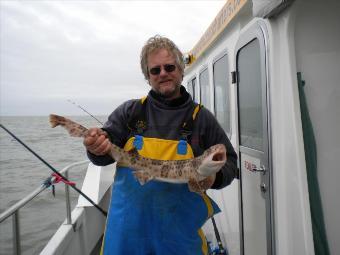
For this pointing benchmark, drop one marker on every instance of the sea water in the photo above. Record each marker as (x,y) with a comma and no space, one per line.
(21,173)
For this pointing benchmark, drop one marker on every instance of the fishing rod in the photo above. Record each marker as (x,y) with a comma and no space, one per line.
(220,250)
(84,110)
(54,170)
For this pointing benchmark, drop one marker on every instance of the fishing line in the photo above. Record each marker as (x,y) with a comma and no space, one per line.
(54,170)
(84,110)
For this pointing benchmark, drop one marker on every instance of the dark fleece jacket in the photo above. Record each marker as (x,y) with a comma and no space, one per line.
(164,119)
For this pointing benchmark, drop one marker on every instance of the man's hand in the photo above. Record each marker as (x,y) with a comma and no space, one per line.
(97,142)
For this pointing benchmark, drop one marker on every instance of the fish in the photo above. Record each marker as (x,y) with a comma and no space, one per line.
(146,169)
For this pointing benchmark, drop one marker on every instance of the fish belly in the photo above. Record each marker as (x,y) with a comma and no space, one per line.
(178,181)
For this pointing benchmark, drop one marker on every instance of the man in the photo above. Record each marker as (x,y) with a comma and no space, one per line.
(159,217)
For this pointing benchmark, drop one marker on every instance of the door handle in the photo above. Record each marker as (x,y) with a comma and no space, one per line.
(262,169)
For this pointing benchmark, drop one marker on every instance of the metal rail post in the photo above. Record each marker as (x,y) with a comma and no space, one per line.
(16,233)
(68,202)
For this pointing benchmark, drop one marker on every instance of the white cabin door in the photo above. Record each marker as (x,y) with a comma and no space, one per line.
(255,186)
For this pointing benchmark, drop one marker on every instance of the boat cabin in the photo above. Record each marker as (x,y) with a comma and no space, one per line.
(270,71)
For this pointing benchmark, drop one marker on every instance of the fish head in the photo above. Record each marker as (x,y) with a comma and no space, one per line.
(214,159)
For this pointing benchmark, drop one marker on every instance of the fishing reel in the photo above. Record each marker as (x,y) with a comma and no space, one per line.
(219,250)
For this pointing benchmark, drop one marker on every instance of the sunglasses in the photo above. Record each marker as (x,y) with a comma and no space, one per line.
(157,70)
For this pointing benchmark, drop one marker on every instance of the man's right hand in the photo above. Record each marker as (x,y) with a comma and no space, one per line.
(97,142)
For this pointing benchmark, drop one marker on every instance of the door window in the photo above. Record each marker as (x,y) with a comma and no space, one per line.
(250,96)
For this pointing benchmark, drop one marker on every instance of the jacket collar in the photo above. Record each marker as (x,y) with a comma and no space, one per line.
(177,102)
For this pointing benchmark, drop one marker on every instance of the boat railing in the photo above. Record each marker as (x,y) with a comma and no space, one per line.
(14,209)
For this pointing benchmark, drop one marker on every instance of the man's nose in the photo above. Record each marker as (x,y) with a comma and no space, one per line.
(163,72)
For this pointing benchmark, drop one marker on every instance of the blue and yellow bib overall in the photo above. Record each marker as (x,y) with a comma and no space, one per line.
(157,217)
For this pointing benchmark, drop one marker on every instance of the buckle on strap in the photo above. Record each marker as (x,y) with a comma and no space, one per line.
(182,147)
(138,142)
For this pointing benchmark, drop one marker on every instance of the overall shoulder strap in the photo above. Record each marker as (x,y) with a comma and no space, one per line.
(187,127)
(137,121)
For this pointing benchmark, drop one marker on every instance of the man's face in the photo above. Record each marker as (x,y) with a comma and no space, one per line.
(167,79)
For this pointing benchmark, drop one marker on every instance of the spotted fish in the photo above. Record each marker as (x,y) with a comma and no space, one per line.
(146,169)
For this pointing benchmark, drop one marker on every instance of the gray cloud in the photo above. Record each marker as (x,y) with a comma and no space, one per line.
(87,51)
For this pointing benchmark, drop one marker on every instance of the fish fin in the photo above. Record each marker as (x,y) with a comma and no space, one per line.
(194,186)
(200,186)
(207,183)
(142,176)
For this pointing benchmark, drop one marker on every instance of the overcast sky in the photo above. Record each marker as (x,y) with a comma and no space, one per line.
(86,51)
